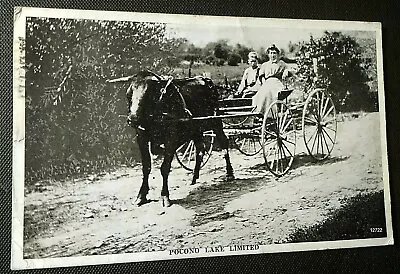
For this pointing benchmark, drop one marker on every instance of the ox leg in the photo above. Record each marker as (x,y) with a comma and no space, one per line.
(199,158)
(224,143)
(165,170)
(146,168)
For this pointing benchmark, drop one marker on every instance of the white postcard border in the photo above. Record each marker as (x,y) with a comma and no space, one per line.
(17,261)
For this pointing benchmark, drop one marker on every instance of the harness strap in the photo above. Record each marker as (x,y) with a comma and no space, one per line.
(164,91)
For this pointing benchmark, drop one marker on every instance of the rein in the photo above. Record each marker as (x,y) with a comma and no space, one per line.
(164,91)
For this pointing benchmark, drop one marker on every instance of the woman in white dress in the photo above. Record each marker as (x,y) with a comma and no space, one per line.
(271,75)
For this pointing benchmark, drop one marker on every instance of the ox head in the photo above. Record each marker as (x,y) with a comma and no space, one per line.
(141,95)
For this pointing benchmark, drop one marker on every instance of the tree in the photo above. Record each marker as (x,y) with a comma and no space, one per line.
(222,49)
(221,52)
(72,119)
(243,52)
(233,59)
(340,69)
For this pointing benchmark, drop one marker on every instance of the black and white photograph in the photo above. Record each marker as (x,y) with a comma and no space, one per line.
(143,136)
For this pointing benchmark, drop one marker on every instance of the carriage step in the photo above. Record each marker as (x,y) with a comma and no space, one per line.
(243,132)
(242,108)
(243,126)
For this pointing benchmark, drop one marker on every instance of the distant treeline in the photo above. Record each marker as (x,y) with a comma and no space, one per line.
(221,53)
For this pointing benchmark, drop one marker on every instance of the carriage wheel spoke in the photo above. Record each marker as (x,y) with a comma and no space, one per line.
(331,129)
(288,150)
(316,131)
(328,112)
(242,142)
(316,136)
(287,125)
(206,151)
(284,157)
(190,152)
(277,159)
(187,150)
(328,136)
(322,144)
(330,120)
(179,148)
(273,134)
(314,107)
(326,143)
(314,122)
(268,143)
(326,105)
(281,158)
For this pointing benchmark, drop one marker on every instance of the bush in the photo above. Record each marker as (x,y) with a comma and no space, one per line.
(340,69)
(234,59)
(220,62)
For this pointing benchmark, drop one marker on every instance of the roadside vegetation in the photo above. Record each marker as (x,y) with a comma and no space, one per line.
(360,218)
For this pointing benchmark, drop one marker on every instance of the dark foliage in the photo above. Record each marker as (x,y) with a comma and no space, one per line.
(360,218)
(72,116)
(337,61)
(233,59)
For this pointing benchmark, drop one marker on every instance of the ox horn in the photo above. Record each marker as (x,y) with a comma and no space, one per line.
(122,79)
(155,75)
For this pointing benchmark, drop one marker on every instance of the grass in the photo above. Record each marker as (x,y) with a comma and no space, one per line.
(355,220)
(216,73)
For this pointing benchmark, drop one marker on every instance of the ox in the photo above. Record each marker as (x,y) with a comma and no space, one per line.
(161,110)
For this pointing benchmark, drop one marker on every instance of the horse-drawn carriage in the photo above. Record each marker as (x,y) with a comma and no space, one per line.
(274,133)
(186,116)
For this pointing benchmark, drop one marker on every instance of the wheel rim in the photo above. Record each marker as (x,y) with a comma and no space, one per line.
(278,138)
(319,124)
(186,153)
(235,121)
(248,143)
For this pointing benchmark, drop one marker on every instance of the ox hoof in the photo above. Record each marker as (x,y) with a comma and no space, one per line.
(141,200)
(230,177)
(193,182)
(166,202)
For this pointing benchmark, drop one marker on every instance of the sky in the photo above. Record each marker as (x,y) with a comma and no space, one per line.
(251,36)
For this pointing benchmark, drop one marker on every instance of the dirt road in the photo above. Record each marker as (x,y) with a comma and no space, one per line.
(95,215)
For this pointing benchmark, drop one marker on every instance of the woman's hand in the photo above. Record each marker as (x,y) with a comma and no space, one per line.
(285,74)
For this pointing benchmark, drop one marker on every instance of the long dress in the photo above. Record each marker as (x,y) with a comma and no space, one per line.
(268,92)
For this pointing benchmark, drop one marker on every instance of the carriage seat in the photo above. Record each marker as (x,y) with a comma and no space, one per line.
(249,93)
(283,94)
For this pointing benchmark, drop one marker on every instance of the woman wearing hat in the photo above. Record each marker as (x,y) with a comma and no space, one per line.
(271,75)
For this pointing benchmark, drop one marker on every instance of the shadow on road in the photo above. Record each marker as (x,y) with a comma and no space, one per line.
(302,160)
(209,201)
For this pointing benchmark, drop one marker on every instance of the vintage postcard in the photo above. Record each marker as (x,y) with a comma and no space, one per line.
(141,137)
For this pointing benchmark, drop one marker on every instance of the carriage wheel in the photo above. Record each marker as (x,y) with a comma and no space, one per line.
(235,121)
(319,124)
(248,143)
(278,138)
(186,153)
